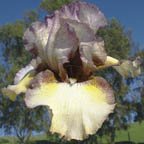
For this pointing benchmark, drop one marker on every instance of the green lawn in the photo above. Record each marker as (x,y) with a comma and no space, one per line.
(7,140)
(136,134)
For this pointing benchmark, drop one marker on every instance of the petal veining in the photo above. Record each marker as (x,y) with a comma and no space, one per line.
(78,109)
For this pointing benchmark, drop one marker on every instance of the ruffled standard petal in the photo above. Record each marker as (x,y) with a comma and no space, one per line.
(92,55)
(84,13)
(78,109)
(91,49)
(61,47)
(70,12)
(83,32)
(56,41)
(36,37)
(92,16)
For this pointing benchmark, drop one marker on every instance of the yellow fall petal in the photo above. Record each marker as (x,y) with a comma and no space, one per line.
(13,90)
(78,109)
(110,61)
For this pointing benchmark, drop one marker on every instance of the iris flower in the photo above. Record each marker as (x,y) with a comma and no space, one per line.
(66,51)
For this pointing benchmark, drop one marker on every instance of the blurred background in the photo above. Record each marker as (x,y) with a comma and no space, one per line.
(123,40)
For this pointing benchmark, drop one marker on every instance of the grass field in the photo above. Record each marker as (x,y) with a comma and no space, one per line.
(135,133)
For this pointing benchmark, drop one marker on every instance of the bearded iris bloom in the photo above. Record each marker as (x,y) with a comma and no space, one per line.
(66,51)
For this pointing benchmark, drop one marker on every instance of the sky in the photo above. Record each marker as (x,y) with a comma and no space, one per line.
(129,13)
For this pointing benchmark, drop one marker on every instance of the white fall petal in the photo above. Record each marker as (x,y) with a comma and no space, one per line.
(67,50)
(78,109)
(21,87)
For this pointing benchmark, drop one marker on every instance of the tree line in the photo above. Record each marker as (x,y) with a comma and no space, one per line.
(16,119)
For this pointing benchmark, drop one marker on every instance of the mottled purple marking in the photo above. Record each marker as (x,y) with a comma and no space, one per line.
(32,29)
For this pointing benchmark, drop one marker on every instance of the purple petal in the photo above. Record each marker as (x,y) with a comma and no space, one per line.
(62,45)
(83,31)
(92,55)
(36,37)
(85,13)
(91,15)
(58,40)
